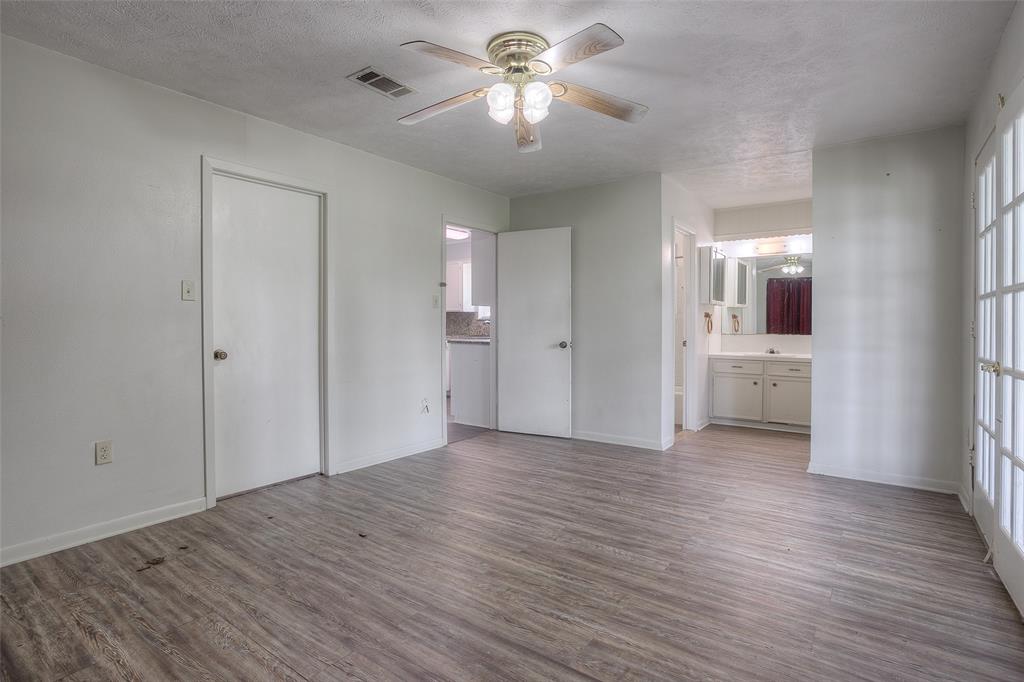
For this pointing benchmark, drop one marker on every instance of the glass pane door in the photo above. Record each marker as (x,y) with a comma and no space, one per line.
(987,398)
(1007,218)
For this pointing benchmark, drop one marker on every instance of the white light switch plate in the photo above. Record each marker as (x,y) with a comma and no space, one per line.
(104,451)
(188,290)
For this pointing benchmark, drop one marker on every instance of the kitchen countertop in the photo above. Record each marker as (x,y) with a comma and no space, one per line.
(469,339)
(761,356)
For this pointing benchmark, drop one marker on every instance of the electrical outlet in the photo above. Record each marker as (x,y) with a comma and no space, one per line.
(188,290)
(104,451)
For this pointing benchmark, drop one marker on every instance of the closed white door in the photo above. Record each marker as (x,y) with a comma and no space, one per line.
(999,462)
(535,332)
(265,295)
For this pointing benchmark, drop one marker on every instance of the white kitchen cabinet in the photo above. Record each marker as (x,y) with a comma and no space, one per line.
(453,286)
(471,382)
(484,268)
(737,397)
(788,401)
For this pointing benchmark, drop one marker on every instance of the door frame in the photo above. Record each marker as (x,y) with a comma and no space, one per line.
(210,167)
(466,224)
(690,422)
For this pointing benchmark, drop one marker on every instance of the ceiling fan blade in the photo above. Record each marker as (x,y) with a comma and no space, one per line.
(598,101)
(454,56)
(527,134)
(584,45)
(443,106)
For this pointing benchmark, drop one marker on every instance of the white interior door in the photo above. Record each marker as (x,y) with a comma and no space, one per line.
(535,332)
(1001,212)
(265,296)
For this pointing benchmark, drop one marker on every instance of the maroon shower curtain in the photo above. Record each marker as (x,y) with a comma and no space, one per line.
(789,305)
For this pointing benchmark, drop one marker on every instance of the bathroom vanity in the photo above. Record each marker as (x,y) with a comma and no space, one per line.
(762,390)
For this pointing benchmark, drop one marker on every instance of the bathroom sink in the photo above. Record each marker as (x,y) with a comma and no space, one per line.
(763,356)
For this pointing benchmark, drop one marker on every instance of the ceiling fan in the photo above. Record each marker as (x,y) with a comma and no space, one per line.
(791,266)
(519,57)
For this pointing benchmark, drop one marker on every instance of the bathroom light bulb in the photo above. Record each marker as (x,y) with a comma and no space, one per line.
(501,102)
(799,269)
(536,98)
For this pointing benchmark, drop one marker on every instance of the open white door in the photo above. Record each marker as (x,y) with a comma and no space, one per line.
(535,332)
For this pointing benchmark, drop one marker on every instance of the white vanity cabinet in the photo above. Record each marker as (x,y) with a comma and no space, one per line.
(761,393)
(737,396)
(788,401)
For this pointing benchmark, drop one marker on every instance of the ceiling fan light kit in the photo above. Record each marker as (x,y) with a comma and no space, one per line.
(518,58)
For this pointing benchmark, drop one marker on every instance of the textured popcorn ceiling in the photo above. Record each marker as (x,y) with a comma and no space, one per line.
(727,83)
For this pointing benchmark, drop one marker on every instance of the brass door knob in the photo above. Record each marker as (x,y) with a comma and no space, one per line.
(220,354)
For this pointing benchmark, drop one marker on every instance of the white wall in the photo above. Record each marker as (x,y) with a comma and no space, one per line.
(759,343)
(102,221)
(616,303)
(747,222)
(887,342)
(1005,75)
(679,206)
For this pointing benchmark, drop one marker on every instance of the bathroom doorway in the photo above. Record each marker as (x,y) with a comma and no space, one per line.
(684,251)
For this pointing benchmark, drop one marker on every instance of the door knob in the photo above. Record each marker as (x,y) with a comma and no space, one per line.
(563,344)
(220,354)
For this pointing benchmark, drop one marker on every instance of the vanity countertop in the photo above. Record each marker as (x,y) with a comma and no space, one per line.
(790,357)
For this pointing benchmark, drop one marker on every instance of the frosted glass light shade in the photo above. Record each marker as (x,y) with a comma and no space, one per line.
(536,98)
(501,102)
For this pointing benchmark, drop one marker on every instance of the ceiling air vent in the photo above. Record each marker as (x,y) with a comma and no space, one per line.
(378,82)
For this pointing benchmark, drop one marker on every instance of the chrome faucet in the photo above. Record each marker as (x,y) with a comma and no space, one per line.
(772,351)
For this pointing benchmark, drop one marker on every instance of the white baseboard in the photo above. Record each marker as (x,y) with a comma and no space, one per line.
(98,531)
(766,426)
(668,442)
(388,455)
(612,439)
(921,483)
(965,500)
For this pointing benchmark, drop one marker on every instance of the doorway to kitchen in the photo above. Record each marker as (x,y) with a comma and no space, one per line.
(470,361)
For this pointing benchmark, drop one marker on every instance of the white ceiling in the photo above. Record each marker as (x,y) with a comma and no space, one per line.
(728,83)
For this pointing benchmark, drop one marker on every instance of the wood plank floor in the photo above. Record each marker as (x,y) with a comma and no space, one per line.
(457,432)
(516,557)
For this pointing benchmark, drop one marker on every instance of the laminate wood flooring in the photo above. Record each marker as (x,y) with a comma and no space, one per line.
(516,557)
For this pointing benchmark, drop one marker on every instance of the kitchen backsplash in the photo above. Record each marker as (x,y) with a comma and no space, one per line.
(466,324)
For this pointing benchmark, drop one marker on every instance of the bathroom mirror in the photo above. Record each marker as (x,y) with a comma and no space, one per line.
(768,294)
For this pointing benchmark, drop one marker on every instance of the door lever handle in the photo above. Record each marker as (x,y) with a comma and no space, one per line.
(992,368)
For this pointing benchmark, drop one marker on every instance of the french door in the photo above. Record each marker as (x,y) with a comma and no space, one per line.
(999,402)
